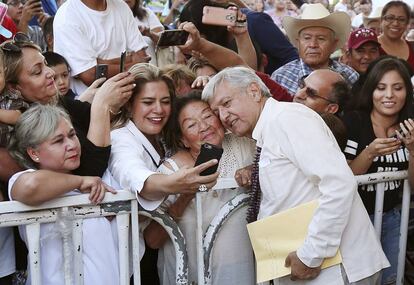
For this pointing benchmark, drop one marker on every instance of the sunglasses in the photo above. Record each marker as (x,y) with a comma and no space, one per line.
(312,93)
(12,46)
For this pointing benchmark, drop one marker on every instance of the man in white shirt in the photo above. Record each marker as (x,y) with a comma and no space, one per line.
(91,32)
(300,161)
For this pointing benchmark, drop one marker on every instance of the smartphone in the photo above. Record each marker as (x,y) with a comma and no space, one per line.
(122,62)
(173,38)
(209,152)
(219,16)
(101,71)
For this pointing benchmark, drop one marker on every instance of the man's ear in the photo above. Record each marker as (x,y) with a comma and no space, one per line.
(332,108)
(254,90)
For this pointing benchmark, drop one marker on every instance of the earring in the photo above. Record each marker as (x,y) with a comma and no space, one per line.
(36,159)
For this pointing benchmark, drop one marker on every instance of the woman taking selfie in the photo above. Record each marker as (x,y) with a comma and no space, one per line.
(45,144)
(194,124)
(381,138)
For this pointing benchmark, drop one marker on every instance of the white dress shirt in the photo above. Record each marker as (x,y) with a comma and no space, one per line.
(300,161)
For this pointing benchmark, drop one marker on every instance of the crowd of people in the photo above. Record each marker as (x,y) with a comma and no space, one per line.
(301,97)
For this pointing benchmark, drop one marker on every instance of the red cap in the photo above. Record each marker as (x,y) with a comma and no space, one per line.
(360,37)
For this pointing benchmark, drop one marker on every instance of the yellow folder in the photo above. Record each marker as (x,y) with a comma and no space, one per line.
(274,237)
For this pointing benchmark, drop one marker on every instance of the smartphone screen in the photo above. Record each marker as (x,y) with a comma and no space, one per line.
(209,152)
(101,71)
(173,38)
(122,62)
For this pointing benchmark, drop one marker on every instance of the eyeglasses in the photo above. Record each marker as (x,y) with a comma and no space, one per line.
(12,46)
(16,3)
(392,18)
(312,93)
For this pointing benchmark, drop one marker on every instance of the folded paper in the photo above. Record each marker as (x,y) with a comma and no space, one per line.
(274,237)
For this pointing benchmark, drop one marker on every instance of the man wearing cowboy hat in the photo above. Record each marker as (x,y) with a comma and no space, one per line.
(317,34)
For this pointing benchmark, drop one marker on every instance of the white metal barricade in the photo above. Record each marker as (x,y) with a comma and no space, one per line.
(378,178)
(123,205)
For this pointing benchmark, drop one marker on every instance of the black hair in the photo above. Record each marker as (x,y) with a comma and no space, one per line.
(375,72)
(193,12)
(337,128)
(341,94)
(139,11)
(53,59)
(48,27)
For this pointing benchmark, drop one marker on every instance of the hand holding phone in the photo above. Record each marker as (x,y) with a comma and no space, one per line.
(173,38)
(122,62)
(219,16)
(209,152)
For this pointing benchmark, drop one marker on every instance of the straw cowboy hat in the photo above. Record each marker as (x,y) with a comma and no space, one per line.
(373,16)
(316,15)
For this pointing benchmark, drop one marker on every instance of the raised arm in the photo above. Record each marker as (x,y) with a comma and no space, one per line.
(217,55)
(114,93)
(244,43)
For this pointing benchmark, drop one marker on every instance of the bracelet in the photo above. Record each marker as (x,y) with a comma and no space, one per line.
(113,113)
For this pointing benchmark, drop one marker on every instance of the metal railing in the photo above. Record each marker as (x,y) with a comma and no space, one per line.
(379,178)
(124,206)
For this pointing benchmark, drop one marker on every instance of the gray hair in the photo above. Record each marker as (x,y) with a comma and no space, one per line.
(238,77)
(34,126)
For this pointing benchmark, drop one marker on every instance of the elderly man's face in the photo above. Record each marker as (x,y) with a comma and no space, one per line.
(237,109)
(315,45)
(315,91)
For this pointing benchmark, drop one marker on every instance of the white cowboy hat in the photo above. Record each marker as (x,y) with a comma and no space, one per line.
(316,15)
(374,15)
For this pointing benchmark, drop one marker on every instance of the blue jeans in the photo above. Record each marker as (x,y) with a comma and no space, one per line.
(390,237)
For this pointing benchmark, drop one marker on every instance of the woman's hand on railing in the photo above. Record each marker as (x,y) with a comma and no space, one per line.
(95,187)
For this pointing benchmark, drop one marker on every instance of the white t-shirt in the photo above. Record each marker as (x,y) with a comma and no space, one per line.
(100,249)
(82,35)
